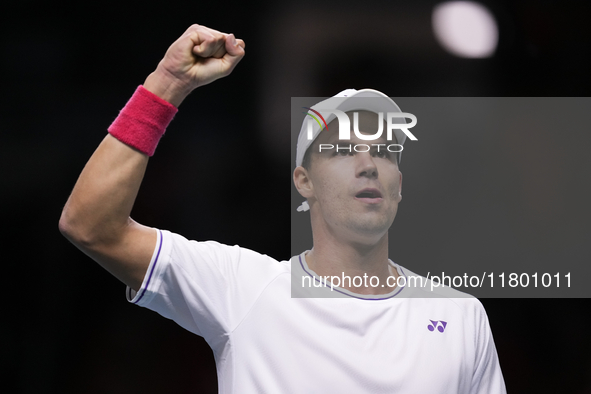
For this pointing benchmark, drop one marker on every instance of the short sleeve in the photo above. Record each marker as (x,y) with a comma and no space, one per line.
(487,377)
(205,287)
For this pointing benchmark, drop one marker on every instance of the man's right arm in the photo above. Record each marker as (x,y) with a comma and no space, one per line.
(96,216)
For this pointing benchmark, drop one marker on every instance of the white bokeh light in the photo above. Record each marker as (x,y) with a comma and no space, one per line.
(465,29)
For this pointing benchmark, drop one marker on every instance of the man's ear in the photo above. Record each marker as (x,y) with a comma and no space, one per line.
(302,182)
(400,187)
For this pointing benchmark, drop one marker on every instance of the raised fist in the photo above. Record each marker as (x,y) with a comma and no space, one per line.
(200,56)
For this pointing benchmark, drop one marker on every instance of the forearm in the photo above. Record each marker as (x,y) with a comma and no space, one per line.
(99,207)
(166,86)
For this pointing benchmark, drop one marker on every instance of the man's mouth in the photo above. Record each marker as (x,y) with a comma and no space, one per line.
(369,195)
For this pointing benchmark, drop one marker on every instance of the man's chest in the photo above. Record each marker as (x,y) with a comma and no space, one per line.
(329,344)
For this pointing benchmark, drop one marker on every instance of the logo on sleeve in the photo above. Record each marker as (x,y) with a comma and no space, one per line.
(437,324)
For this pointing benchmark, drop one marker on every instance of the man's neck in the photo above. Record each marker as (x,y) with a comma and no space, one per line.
(331,257)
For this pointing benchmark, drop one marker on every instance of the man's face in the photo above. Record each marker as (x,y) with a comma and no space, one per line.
(353,194)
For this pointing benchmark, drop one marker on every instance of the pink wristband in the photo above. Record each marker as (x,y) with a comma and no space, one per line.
(143,120)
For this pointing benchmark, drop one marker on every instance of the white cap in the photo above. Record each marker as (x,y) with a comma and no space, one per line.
(343,102)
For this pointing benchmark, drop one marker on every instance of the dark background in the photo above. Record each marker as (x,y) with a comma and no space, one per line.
(223,171)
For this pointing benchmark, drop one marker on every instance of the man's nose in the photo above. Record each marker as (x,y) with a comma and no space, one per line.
(366,166)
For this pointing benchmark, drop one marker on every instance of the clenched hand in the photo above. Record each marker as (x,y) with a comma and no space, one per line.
(200,56)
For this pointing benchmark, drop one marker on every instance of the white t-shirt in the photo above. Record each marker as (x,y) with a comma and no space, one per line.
(265,341)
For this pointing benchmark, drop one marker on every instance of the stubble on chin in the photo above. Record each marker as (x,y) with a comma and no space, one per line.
(367,224)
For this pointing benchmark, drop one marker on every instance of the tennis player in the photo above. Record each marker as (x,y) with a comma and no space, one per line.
(282,326)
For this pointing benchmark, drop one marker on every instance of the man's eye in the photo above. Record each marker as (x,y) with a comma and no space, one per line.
(383,154)
(343,151)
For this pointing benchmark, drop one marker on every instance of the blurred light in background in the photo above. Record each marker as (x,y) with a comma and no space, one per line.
(465,29)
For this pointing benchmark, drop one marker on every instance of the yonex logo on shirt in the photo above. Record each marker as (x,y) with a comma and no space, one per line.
(439,324)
